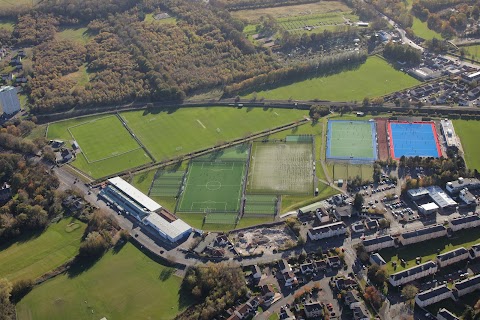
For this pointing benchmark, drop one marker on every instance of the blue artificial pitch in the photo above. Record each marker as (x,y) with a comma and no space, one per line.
(412,139)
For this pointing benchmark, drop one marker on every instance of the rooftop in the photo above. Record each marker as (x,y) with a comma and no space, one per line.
(173,229)
(475,280)
(429,206)
(327,227)
(446,314)
(433,292)
(463,183)
(135,194)
(423,231)
(372,241)
(417,192)
(465,219)
(414,270)
(451,254)
(440,197)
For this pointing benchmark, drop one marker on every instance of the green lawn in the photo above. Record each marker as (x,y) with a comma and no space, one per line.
(350,139)
(142,181)
(428,249)
(98,137)
(469,131)
(421,30)
(31,258)
(123,285)
(76,34)
(7,24)
(290,202)
(149,18)
(167,135)
(473,52)
(373,78)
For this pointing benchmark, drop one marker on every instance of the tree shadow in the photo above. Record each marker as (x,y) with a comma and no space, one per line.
(166,273)
(81,264)
(155,109)
(118,246)
(25,237)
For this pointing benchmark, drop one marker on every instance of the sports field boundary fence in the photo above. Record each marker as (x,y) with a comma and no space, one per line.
(130,131)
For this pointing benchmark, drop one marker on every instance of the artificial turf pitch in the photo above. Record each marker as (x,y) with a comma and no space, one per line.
(351,140)
(213,187)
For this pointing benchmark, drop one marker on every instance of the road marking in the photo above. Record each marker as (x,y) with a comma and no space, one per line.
(200,122)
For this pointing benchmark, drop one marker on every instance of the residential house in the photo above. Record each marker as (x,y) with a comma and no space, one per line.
(327,231)
(377,259)
(474,93)
(466,286)
(420,235)
(290,279)
(371,224)
(222,240)
(444,314)
(243,311)
(321,265)
(451,257)
(334,262)
(378,243)
(345,283)
(256,272)
(360,312)
(307,268)
(413,273)
(254,302)
(313,310)
(268,294)
(433,295)
(284,266)
(470,77)
(233,316)
(474,251)
(322,215)
(465,222)
(352,299)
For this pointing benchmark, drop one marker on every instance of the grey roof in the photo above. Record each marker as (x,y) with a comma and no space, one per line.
(466,219)
(476,247)
(378,259)
(417,192)
(468,282)
(466,183)
(423,231)
(440,197)
(447,315)
(414,270)
(451,254)
(369,242)
(327,228)
(433,292)
(312,306)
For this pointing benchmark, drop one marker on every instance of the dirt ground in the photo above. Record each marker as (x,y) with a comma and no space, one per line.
(263,239)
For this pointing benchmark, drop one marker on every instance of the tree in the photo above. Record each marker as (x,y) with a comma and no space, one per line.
(358,202)
(409,291)
(7,309)
(373,296)
(366,102)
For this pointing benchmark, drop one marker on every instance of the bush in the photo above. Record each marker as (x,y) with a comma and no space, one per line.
(20,289)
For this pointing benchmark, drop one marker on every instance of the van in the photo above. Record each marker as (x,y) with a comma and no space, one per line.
(316,191)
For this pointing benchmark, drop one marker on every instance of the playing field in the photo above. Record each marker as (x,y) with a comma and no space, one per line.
(167,183)
(372,79)
(212,187)
(185,130)
(413,139)
(281,168)
(123,285)
(472,51)
(351,140)
(106,145)
(260,205)
(421,30)
(31,258)
(469,131)
(344,170)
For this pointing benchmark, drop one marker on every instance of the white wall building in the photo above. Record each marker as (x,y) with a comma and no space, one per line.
(474,251)
(9,102)
(433,295)
(378,243)
(452,257)
(327,231)
(413,273)
(465,222)
(449,134)
(466,286)
(423,234)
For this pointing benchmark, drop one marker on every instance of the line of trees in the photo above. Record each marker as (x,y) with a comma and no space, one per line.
(403,53)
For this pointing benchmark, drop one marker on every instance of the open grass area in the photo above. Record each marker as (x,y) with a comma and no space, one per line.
(7,24)
(149,18)
(106,145)
(80,77)
(202,127)
(340,170)
(31,257)
(293,202)
(473,52)
(319,22)
(37,132)
(428,249)
(421,30)
(76,34)
(469,131)
(123,285)
(18,3)
(142,181)
(373,78)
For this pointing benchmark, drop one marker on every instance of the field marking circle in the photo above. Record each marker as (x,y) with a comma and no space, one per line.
(213,185)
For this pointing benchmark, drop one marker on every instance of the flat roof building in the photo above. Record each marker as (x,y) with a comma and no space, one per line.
(440,197)
(428,208)
(418,193)
(9,102)
(454,187)
(128,199)
(449,134)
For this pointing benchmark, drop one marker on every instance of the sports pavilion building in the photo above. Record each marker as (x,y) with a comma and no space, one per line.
(127,199)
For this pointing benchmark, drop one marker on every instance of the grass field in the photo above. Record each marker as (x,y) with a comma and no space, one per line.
(31,258)
(293,202)
(319,22)
(201,127)
(81,77)
(281,168)
(468,131)
(349,171)
(143,180)
(373,78)
(167,182)
(99,139)
(473,52)
(149,18)
(428,249)
(76,34)
(212,187)
(351,140)
(258,205)
(123,285)
(421,30)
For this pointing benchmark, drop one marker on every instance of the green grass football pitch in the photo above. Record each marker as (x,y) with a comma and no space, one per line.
(167,135)
(350,139)
(372,79)
(107,145)
(469,131)
(213,187)
(29,258)
(121,285)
